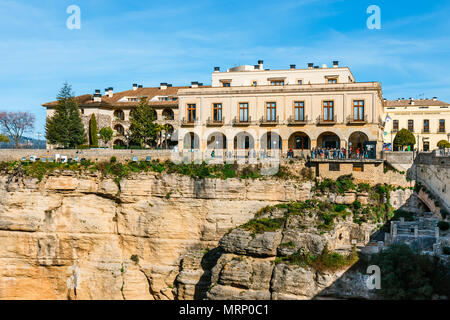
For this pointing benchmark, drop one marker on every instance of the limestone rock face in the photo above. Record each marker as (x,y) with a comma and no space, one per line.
(83,237)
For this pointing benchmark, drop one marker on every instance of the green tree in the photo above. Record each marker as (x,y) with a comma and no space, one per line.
(404,138)
(408,275)
(4,138)
(143,129)
(106,134)
(65,126)
(443,144)
(93,139)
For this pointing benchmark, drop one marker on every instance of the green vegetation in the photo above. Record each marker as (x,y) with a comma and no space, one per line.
(341,185)
(326,261)
(263,225)
(93,139)
(409,275)
(443,225)
(65,126)
(404,138)
(443,144)
(143,129)
(106,134)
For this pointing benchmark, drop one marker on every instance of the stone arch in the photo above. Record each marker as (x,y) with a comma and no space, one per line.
(271,140)
(167,114)
(244,140)
(119,129)
(119,142)
(191,141)
(299,140)
(357,139)
(328,139)
(119,115)
(216,140)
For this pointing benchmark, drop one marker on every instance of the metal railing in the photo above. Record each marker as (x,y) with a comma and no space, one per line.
(212,122)
(321,120)
(185,122)
(238,122)
(265,121)
(352,120)
(291,120)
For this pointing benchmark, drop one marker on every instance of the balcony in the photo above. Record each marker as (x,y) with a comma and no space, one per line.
(352,121)
(292,121)
(269,122)
(215,123)
(238,122)
(186,123)
(321,121)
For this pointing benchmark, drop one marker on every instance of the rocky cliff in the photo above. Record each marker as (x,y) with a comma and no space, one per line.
(81,236)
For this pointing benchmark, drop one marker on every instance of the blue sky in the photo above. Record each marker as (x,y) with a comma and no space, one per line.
(148,42)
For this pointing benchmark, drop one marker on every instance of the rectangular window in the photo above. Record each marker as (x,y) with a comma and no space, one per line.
(191,112)
(334,167)
(299,110)
(411,125)
(299,81)
(277,83)
(254,83)
(395,125)
(328,110)
(359,167)
(358,110)
(243,112)
(426,126)
(217,112)
(332,81)
(442,126)
(426,146)
(271,111)
(226,84)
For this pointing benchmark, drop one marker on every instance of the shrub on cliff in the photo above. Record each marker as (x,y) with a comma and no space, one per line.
(263,225)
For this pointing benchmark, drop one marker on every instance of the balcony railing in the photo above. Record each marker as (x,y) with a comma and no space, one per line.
(293,121)
(352,120)
(239,122)
(187,123)
(265,121)
(212,122)
(322,121)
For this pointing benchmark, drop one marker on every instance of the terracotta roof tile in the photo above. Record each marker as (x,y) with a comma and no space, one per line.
(418,102)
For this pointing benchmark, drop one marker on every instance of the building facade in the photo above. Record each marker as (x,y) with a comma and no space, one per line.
(252,108)
(114,109)
(427,119)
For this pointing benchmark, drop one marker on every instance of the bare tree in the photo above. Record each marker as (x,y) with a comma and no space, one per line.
(15,124)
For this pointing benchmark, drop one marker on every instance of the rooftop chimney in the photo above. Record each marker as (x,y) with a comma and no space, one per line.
(97,96)
(135,86)
(310,65)
(194,84)
(316,67)
(200,84)
(434,98)
(163,86)
(292,66)
(261,64)
(140,86)
(169,85)
(256,66)
(110,92)
(335,64)
(216,69)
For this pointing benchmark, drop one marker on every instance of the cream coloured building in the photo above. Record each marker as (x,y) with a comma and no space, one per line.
(427,119)
(249,107)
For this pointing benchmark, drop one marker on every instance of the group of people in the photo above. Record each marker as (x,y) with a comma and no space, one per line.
(339,153)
